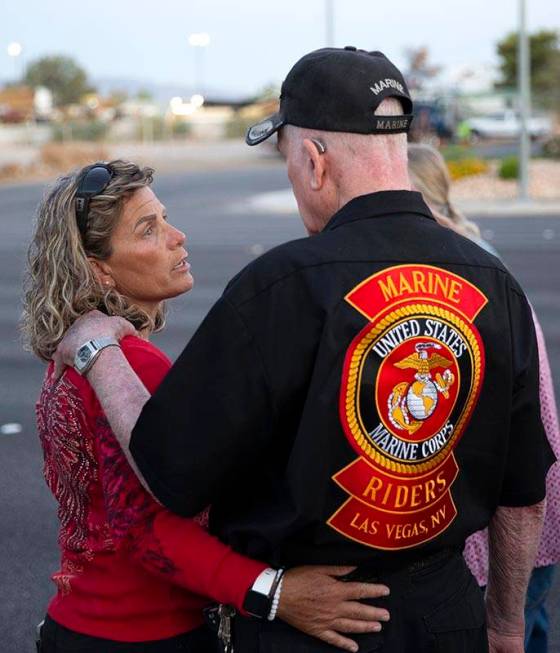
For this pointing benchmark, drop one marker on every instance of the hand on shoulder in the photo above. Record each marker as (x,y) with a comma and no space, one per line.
(94,324)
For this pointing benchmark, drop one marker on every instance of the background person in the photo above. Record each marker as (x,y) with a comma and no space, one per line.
(317,415)
(133,576)
(430,176)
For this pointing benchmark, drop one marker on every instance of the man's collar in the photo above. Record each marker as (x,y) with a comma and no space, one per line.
(380,204)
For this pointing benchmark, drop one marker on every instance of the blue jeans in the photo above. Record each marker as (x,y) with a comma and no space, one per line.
(536,618)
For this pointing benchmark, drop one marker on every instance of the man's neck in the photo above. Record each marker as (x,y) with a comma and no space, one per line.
(356,190)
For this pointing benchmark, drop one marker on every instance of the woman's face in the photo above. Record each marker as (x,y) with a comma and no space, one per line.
(148,263)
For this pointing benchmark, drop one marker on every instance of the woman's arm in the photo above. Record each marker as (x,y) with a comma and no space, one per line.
(182,552)
(178,550)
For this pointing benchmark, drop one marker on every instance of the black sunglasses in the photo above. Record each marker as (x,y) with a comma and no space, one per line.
(93,182)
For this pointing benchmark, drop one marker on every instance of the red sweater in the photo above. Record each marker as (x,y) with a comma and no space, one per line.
(130,569)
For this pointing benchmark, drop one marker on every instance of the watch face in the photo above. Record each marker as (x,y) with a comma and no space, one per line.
(257,605)
(83,355)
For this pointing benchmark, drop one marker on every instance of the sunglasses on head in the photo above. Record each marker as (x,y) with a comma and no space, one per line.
(93,182)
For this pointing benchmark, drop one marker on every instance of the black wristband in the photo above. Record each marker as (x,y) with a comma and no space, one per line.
(259,605)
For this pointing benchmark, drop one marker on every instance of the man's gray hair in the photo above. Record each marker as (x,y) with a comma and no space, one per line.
(359,144)
(353,157)
(364,144)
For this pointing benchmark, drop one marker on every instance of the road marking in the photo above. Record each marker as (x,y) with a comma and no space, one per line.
(12,428)
(277,201)
(548,234)
(257,249)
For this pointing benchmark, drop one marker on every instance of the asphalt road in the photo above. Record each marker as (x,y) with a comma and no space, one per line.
(223,236)
(498,149)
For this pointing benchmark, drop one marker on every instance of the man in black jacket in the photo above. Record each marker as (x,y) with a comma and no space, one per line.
(367,396)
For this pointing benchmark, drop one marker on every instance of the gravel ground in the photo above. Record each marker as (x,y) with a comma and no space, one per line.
(544,183)
(24,163)
(29,164)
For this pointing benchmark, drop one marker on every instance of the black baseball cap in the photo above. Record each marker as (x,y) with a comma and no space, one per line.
(338,89)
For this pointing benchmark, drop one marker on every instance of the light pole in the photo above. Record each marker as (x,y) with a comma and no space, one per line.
(524,94)
(199,41)
(329,23)
(14,51)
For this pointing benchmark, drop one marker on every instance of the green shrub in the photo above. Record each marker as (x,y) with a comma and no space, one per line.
(181,128)
(509,168)
(466,168)
(237,127)
(151,128)
(457,152)
(93,130)
(551,148)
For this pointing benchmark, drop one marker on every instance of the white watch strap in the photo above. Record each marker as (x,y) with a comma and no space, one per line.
(276,601)
(264,581)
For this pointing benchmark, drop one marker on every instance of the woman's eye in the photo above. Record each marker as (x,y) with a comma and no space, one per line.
(149,231)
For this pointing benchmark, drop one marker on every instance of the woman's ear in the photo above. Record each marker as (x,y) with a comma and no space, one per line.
(315,154)
(102,272)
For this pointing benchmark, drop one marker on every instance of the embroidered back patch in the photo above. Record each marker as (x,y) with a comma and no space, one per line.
(410,382)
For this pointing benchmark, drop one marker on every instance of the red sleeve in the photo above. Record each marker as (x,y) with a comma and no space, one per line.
(150,364)
(172,547)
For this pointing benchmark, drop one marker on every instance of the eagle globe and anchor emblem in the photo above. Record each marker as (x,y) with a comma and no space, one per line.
(410,382)
(410,404)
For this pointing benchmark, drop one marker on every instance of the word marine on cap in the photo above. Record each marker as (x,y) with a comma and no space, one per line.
(334,89)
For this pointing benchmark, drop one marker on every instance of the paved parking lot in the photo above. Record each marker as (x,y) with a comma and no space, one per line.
(224,234)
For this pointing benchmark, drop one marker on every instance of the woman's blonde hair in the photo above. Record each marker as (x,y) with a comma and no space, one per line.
(429,175)
(60,284)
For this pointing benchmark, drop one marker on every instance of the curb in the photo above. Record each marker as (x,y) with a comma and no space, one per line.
(510,208)
(283,201)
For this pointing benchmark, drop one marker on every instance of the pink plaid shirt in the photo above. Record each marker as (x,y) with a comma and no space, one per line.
(476,549)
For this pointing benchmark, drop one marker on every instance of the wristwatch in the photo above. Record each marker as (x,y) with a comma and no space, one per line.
(89,351)
(258,600)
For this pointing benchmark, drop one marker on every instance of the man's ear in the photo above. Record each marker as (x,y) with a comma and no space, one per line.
(317,163)
(102,272)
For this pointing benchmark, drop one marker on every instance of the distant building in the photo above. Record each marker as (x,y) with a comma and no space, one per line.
(215,118)
(17,104)
(23,104)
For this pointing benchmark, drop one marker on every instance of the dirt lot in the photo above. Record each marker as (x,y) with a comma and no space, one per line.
(52,159)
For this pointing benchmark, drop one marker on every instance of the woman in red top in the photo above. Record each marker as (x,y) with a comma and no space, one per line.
(133,576)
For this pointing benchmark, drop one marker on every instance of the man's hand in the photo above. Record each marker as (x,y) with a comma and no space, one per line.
(92,325)
(505,643)
(315,602)
(120,392)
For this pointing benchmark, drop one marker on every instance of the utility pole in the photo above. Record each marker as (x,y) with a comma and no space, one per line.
(329,23)
(14,52)
(199,41)
(524,95)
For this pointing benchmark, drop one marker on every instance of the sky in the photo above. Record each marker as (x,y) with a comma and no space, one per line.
(253,42)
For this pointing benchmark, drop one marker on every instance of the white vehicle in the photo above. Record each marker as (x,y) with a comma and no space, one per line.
(508,125)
